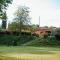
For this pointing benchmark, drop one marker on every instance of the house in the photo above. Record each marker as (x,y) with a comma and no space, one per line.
(42,31)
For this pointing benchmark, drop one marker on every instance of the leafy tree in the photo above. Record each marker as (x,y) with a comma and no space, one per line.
(13,26)
(22,16)
(4,20)
(57,33)
(3,6)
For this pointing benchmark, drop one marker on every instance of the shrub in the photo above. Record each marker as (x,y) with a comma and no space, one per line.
(15,40)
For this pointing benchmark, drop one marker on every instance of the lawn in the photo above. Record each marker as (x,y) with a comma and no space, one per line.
(29,53)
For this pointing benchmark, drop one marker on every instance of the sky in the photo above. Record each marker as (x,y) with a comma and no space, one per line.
(48,10)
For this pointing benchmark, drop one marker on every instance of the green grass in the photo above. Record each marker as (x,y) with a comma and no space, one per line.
(27,49)
(29,53)
(6,58)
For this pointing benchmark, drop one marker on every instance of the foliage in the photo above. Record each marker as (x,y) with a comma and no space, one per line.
(57,34)
(49,41)
(4,4)
(22,16)
(4,20)
(34,27)
(14,26)
(13,40)
(26,39)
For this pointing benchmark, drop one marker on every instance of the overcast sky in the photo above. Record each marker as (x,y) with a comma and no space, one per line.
(48,10)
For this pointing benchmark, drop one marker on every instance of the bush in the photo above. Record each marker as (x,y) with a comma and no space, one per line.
(14,40)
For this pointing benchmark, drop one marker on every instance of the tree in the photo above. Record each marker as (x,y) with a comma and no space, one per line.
(22,16)
(4,20)
(13,26)
(3,6)
(57,34)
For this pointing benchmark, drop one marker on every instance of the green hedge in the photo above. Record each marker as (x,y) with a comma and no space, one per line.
(15,40)
(11,40)
(49,41)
